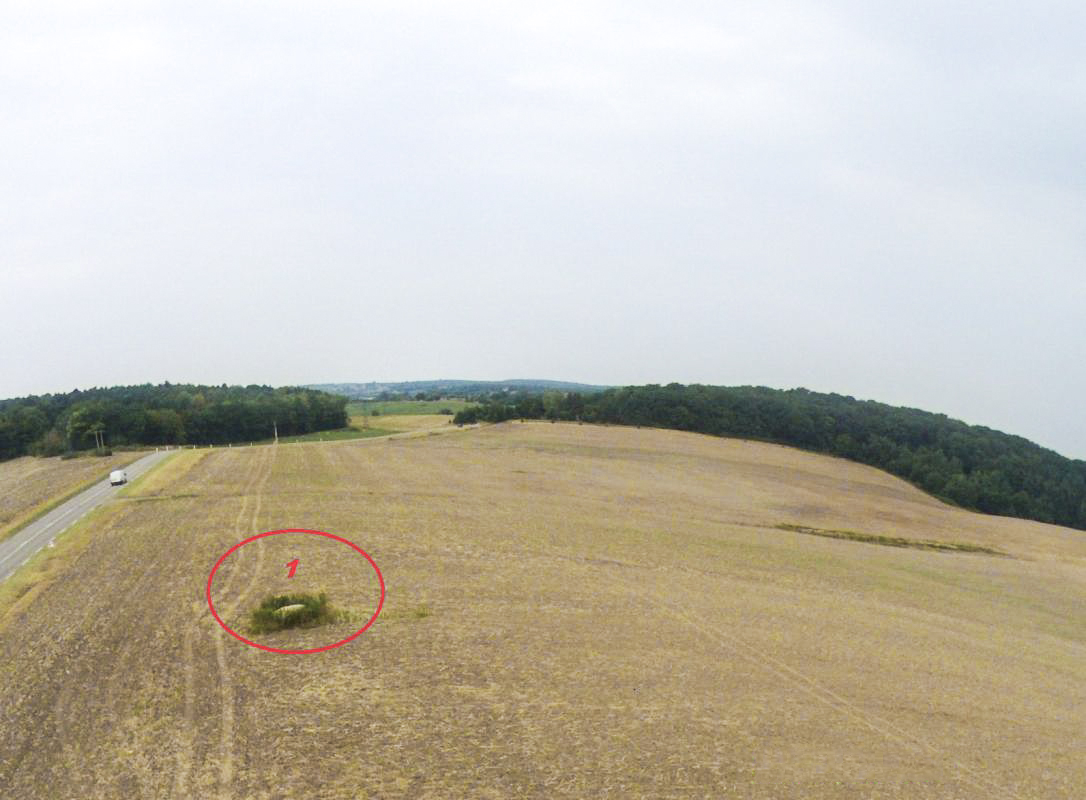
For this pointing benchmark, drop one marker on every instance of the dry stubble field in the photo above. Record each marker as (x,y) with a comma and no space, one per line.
(572,611)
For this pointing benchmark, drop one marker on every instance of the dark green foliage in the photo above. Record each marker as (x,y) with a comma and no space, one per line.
(166,414)
(52,443)
(972,466)
(267,618)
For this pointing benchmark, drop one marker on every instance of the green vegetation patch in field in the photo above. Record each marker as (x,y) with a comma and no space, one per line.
(147,498)
(281,611)
(408,613)
(893,541)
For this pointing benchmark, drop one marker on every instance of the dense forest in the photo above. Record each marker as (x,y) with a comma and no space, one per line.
(167,414)
(971,466)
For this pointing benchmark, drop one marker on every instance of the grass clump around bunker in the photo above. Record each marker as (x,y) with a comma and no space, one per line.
(304,610)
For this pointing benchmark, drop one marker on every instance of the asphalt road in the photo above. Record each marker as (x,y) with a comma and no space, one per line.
(15,551)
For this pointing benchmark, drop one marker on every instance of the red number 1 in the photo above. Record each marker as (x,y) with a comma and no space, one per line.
(293,567)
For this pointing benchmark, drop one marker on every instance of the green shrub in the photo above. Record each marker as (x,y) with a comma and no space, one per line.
(277,612)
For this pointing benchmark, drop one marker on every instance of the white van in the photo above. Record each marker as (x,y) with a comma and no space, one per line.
(117,477)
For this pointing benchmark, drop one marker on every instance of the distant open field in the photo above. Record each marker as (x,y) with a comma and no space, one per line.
(405,422)
(367,427)
(572,611)
(401,407)
(364,426)
(30,486)
(353,431)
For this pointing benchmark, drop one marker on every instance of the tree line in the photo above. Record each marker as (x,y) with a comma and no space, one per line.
(173,414)
(971,466)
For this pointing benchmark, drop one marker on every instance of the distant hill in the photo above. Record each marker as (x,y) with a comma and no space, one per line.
(968,465)
(448,387)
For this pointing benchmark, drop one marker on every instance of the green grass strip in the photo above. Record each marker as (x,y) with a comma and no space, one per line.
(893,541)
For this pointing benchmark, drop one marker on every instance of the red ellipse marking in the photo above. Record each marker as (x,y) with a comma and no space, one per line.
(341,642)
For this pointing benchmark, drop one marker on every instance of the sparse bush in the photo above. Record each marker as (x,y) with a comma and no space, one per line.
(291,611)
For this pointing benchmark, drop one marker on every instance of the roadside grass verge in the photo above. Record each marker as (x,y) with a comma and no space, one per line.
(894,541)
(48,564)
(45,507)
(166,472)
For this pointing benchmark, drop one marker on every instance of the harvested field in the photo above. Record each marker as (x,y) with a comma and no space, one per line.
(30,485)
(572,611)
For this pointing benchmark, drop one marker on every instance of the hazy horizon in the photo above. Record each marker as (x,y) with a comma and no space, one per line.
(882,202)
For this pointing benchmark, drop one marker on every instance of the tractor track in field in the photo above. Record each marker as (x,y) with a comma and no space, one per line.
(244,524)
(226,684)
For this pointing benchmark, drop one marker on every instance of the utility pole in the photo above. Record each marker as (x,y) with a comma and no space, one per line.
(275,427)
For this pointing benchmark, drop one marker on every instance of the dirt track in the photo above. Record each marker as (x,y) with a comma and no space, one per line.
(572,611)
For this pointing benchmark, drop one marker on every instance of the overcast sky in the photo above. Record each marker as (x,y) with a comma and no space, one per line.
(882,202)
